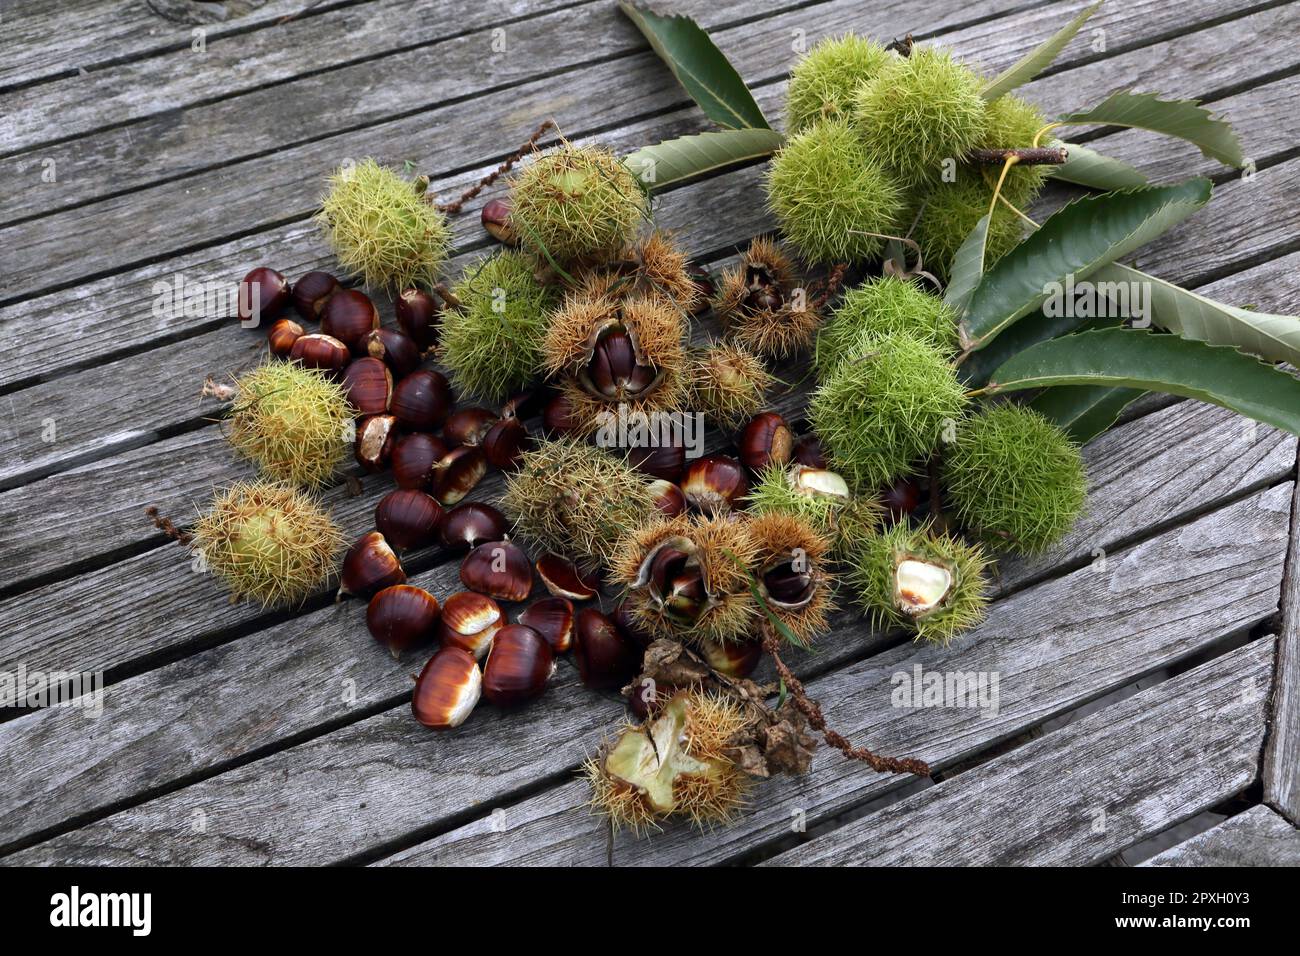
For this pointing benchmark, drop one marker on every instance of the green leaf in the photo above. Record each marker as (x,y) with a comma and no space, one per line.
(675,160)
(1086,167)
(1272,337)
(976,367)
(1038,59)
(1133,358)
(1084,411)
(1078,240)
(1184,119)
(700,67)
(968,268)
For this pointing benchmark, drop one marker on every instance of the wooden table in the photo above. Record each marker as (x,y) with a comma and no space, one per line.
(1149,667)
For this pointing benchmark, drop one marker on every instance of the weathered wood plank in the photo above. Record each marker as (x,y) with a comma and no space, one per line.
(352,790)
(58,252)
(1035,641)
(1258,837)
(1085,792)
(1282,752)
(235,127)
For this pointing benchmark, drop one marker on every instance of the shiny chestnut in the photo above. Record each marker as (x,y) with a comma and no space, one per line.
(422,400)
(417,313)
(659,461)
(628,627)
(495,218)
(349,316)
(807,451)
(317,350)
(263,294)
(606,659)
(369,566)
(499,569)
(408,519)
(668,498)
(311,292)
(765,440)
(558,417)
(456,473)
(413,458)
(552,618)
(395,349)
(518,666)
(561,577)
(402,617)
(282,335)
(714,484)
(735,659)
(471,523)
(505,442)
(376,436)
(470,621)
(447,689)
(468,426)
(368,385)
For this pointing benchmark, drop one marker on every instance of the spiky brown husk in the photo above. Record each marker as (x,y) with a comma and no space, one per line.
(768,333)
(728,383)
(783,537)
(651,267)
(268,541)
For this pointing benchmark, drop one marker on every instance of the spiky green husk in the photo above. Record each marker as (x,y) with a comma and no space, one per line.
(827,191)
(1012,124)
(823,82)
(918,111)
(880,307)
(575,499)
(952,210)
(845,523)
(382,227)
(576,202)
(728,384)
(268,541)
(873,578)
(673,765)
(294,423)
(491,343)
(1014,478)
(886,407)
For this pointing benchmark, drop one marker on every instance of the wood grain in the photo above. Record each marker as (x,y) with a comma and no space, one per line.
(1085,792)
(1282,752)
(1258,837)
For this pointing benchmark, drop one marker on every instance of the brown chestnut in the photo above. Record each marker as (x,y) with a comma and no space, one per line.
(659,461)
(735,659)
(349,316)
(498,569)
(563,579)
(368,384)
(714,484)
(447,689)
(766,440)
(467,426)
(472,523)
(263,294)
(395,349)
(668,498)
(552,618)
(422,400)
(496,220)
(558,417)
(417,313)
(311,292)
(606,659)
(316,350)
(470,621)
(413,458)
(369,566)
(517,667)
(900,498)
(505,442)
(376,435)
(628,627)
(704,285)
(408,518)
(456,473)
(401,617)
(807,451)
(282,336)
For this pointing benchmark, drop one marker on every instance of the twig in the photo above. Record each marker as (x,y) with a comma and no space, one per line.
(167,526)
(1026,156)
(452,208)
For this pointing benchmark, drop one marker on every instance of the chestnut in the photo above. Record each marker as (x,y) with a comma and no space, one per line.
(349,316)
(376,435)
(401,617)
(505,442)
(807,451)
(606,659)
(495,218)
(735,659)
(552,618)
(417,313)
(368,385)
(317,350)
(714,484)
(628,627)
(765,440)
(413,458)
(422,400)
(456,473)
(311,292)
(702,278)
(369,566)
(819,483)
(563,579)
(447,689)
(558,417)
(395,349)
(659,461)
(283,334)
(900,498)
(263,294)
(668,498)
(408,518)
(470,621)
(517,667)
(472,523)
(467,426)
(498,569)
